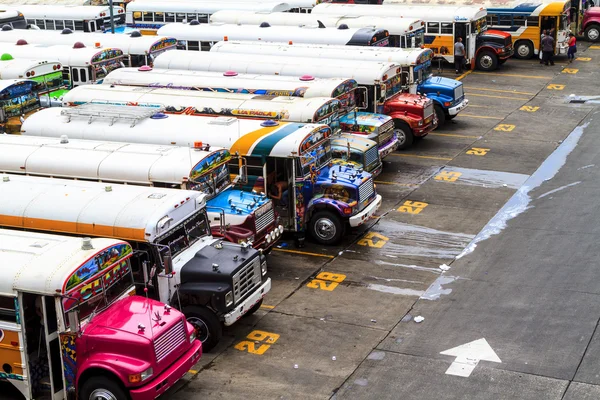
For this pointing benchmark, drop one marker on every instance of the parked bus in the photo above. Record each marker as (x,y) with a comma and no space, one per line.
(201,37)
(138,50)
(18,98)
(174,255)
(12,18)
(417,77)
(47,73)
(58,293)
(590,24)
(150,15)
(382,83)
(81,65)
(443,25)
(202,168)
(268,85)
(314,110)
(77,18)
(403,32)
(288,161)
(351,1)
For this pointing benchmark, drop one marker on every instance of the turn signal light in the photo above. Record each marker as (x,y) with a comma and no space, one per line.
(135,378)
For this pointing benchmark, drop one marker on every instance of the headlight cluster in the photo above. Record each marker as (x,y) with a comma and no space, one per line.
(274,234)
(249,240)
(193,335)
(228,298)
(142,376)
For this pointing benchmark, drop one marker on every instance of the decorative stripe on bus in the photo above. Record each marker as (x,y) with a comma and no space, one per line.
(244,144)
(73,227)
(266,145)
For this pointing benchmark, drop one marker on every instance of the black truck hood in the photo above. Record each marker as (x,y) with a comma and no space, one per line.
(227,258)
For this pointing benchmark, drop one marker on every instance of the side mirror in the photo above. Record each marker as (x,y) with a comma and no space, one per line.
(168,264)
(73,318)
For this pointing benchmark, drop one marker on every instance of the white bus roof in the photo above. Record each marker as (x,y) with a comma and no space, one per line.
(10,13)
(363,72)
(215,32)
(403,57)
(441,13)
(42,263)
(296,109)
(45,2)
(395,26)
(66,55)
(129,45)
(19,68)
(269,85)
(203,7)
(143,164)
(507,4)
(67,12)
(294,4)
(241,135)
(126,212)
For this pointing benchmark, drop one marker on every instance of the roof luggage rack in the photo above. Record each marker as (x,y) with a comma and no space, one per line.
(111,112)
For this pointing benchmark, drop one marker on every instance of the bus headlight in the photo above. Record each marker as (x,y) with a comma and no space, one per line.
(263,268)
(268,238)
(228,298)
(137,378)
(421,122)
(192,336)
(280,229)
(273,237)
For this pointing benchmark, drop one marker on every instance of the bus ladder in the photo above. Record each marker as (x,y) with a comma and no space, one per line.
(111,112)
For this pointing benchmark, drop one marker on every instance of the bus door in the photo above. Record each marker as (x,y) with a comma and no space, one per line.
(280,186)
(463,30)
(43,345)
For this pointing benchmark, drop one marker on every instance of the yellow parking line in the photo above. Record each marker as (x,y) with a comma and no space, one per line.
(498,90)
(479,116)
(454,135)
(415,156)
(193,371)
(463,75)
(397,184)
(514,75)
(497,97)
(267,307)
(306,253)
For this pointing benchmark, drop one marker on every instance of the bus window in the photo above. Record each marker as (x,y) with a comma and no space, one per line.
(147,17)
(40,23)
(203,18)
(70,25)
(83,75)
(60,25)
(91,26)
(505,20)
(75,75)
(159,17)
(8,310)
(180,17)
(433,27)
(519,20)
(533,21)
(50,24)
(78,25)
(193,45)
(191,17)
(205,46)
(137,15)
(170,17)
(446,28)
(31,22)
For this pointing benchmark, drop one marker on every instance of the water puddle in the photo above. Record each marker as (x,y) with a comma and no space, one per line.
(395,290)
(436,289)
(409,266)
(558,189)
(484,178)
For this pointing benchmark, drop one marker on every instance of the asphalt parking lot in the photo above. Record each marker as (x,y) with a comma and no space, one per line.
(341,321)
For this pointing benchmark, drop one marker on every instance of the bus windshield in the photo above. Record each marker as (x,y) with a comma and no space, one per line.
(422,72)
(393,86)
(413,40)
(318,156)
(479,26)
(183,235)
(212,182)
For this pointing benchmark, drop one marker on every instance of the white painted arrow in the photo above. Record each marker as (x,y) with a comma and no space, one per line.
(468,356)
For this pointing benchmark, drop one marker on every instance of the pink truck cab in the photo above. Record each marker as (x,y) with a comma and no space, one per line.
(590,26)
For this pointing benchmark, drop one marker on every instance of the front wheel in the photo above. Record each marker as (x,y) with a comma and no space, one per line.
(523,49)
(500,62)
(254,308)
(102,388)
(440,114)
(404,134)
(208,327)
(326,227)
(487,61)
(592,33)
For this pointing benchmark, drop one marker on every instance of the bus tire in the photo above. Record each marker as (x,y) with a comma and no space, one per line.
(523,50)
(502,61)
(404,134)
(486,61)
(207,325)
(440,114)
(325,227)
(102,387)
(592,33)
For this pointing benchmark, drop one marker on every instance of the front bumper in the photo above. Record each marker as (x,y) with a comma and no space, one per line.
(238,312)
(169,376)
(262,243)
(506,54)
(365,214)
(386,148)
(425,129)
(459,107)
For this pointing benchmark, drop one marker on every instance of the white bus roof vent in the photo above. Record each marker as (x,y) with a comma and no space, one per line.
(86,243)
(223,121)
(111,112)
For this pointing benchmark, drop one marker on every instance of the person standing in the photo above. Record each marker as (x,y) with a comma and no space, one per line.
(572,47)
(459,55)
(544,33)
(548,49)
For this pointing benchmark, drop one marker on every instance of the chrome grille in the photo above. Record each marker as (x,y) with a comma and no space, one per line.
(366,190)
(246,279)
(371,156)
(264,220)
(458,92)
(429,110)
(388,126)
(169,341)
(384,138)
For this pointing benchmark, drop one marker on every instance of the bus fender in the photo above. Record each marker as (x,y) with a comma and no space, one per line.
(99,363)
(411,119)
(323,203)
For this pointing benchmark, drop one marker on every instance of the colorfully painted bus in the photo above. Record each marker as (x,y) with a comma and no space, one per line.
(201,37)
(18,99)
(138,50)
(60,296)
(174,256)
(202,168)
(149,15)
(403,32)
(268,85)
(77,18)
(413,115)
(290,162)
(47,73)
(81,65)
(308,110)
(417,77)
(443,25)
